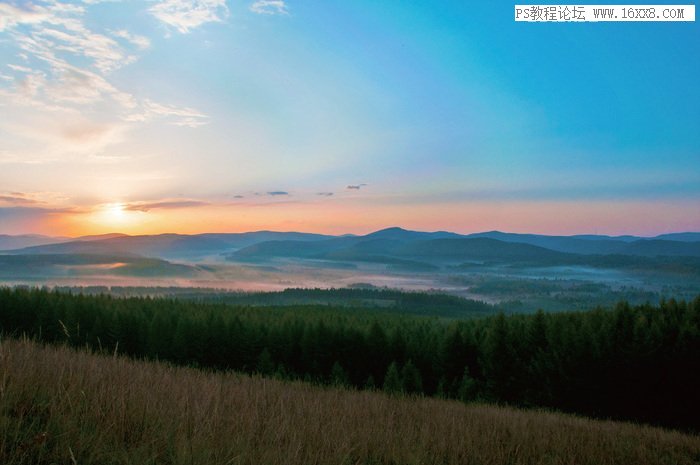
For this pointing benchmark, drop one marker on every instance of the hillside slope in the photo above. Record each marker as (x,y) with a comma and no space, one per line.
(61,406)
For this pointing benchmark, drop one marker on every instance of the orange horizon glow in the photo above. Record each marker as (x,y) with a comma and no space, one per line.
(551,217)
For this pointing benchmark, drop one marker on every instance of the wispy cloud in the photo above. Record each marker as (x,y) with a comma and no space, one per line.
(325,194)
(16,200)
(140,42)
(27,213)
(269,7)
(11,16)
(179,116)
(356,187)
(185,15)
(62,135)
(63,86)
(165,204)
(277,193)
(32,199)
(53,28)
(19,68)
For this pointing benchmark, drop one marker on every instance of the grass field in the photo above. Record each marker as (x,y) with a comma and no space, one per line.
(66,407)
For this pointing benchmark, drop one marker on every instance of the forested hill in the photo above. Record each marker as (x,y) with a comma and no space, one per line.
(637,363)
(364,296)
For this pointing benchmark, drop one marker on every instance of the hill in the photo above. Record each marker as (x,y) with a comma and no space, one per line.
(63,265)
(261,245)
(481,249)
(61,406)
(683,237)
(686,244)
(8,242)
(166,246)
(633,363)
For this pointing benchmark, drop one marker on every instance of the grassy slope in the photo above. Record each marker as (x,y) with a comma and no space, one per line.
(61,406)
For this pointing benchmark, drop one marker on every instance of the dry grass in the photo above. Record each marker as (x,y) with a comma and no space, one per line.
(62,406)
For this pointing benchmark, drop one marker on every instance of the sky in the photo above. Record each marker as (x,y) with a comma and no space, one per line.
(339,117)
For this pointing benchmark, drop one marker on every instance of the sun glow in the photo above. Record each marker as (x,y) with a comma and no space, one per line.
(115,215)
(115,212)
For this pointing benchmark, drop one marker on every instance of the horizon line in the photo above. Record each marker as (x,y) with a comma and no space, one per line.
(492,231)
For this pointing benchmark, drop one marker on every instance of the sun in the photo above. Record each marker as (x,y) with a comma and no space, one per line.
(115,212)
(114,216)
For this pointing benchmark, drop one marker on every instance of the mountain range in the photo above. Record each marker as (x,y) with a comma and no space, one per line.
(396,248)
(398,242)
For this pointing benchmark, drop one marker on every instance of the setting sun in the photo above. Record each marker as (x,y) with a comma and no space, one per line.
(115,212)
(115,215)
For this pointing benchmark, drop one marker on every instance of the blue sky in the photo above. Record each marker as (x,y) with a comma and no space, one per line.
(447,115)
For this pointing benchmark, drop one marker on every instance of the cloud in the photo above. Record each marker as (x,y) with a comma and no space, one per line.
(61,135)
(185,15)
(32,199)
(325,194)
(20,69)
(28,213)
(90,134)
(277,193)
(269,7)
(16,198)
(62,95)
(356,187)
(11,16)
(179,116)
(140,42)
(166,204)
(106,54)
(64,86)
(53,28)
(238,197)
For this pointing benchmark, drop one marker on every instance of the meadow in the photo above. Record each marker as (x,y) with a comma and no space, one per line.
(65,406)
(636,363)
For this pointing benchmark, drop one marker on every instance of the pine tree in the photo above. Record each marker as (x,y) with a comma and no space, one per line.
(392,379)
(442,390)
(339,376)
(499,361)
(467,387)
(452,354)
(411,379)
(266,365)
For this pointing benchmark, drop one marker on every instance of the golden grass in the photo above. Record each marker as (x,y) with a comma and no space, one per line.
(66,407)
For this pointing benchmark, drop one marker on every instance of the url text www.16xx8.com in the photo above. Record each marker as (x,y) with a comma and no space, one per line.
(604,13)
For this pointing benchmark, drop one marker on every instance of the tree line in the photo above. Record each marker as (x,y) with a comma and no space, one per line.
(639,363)
(387,300)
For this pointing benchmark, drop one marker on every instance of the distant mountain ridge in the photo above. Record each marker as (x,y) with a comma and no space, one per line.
(8,242)
(166,246)
(603,245)
(390,245)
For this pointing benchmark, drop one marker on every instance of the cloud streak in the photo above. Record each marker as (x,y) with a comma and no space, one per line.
(63,85)
(186,15)
(11,16)
(17,213)
(166,204)
(16,200)
(140,42)
(269,7)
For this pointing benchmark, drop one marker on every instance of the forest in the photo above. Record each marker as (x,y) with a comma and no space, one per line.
(634,363)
